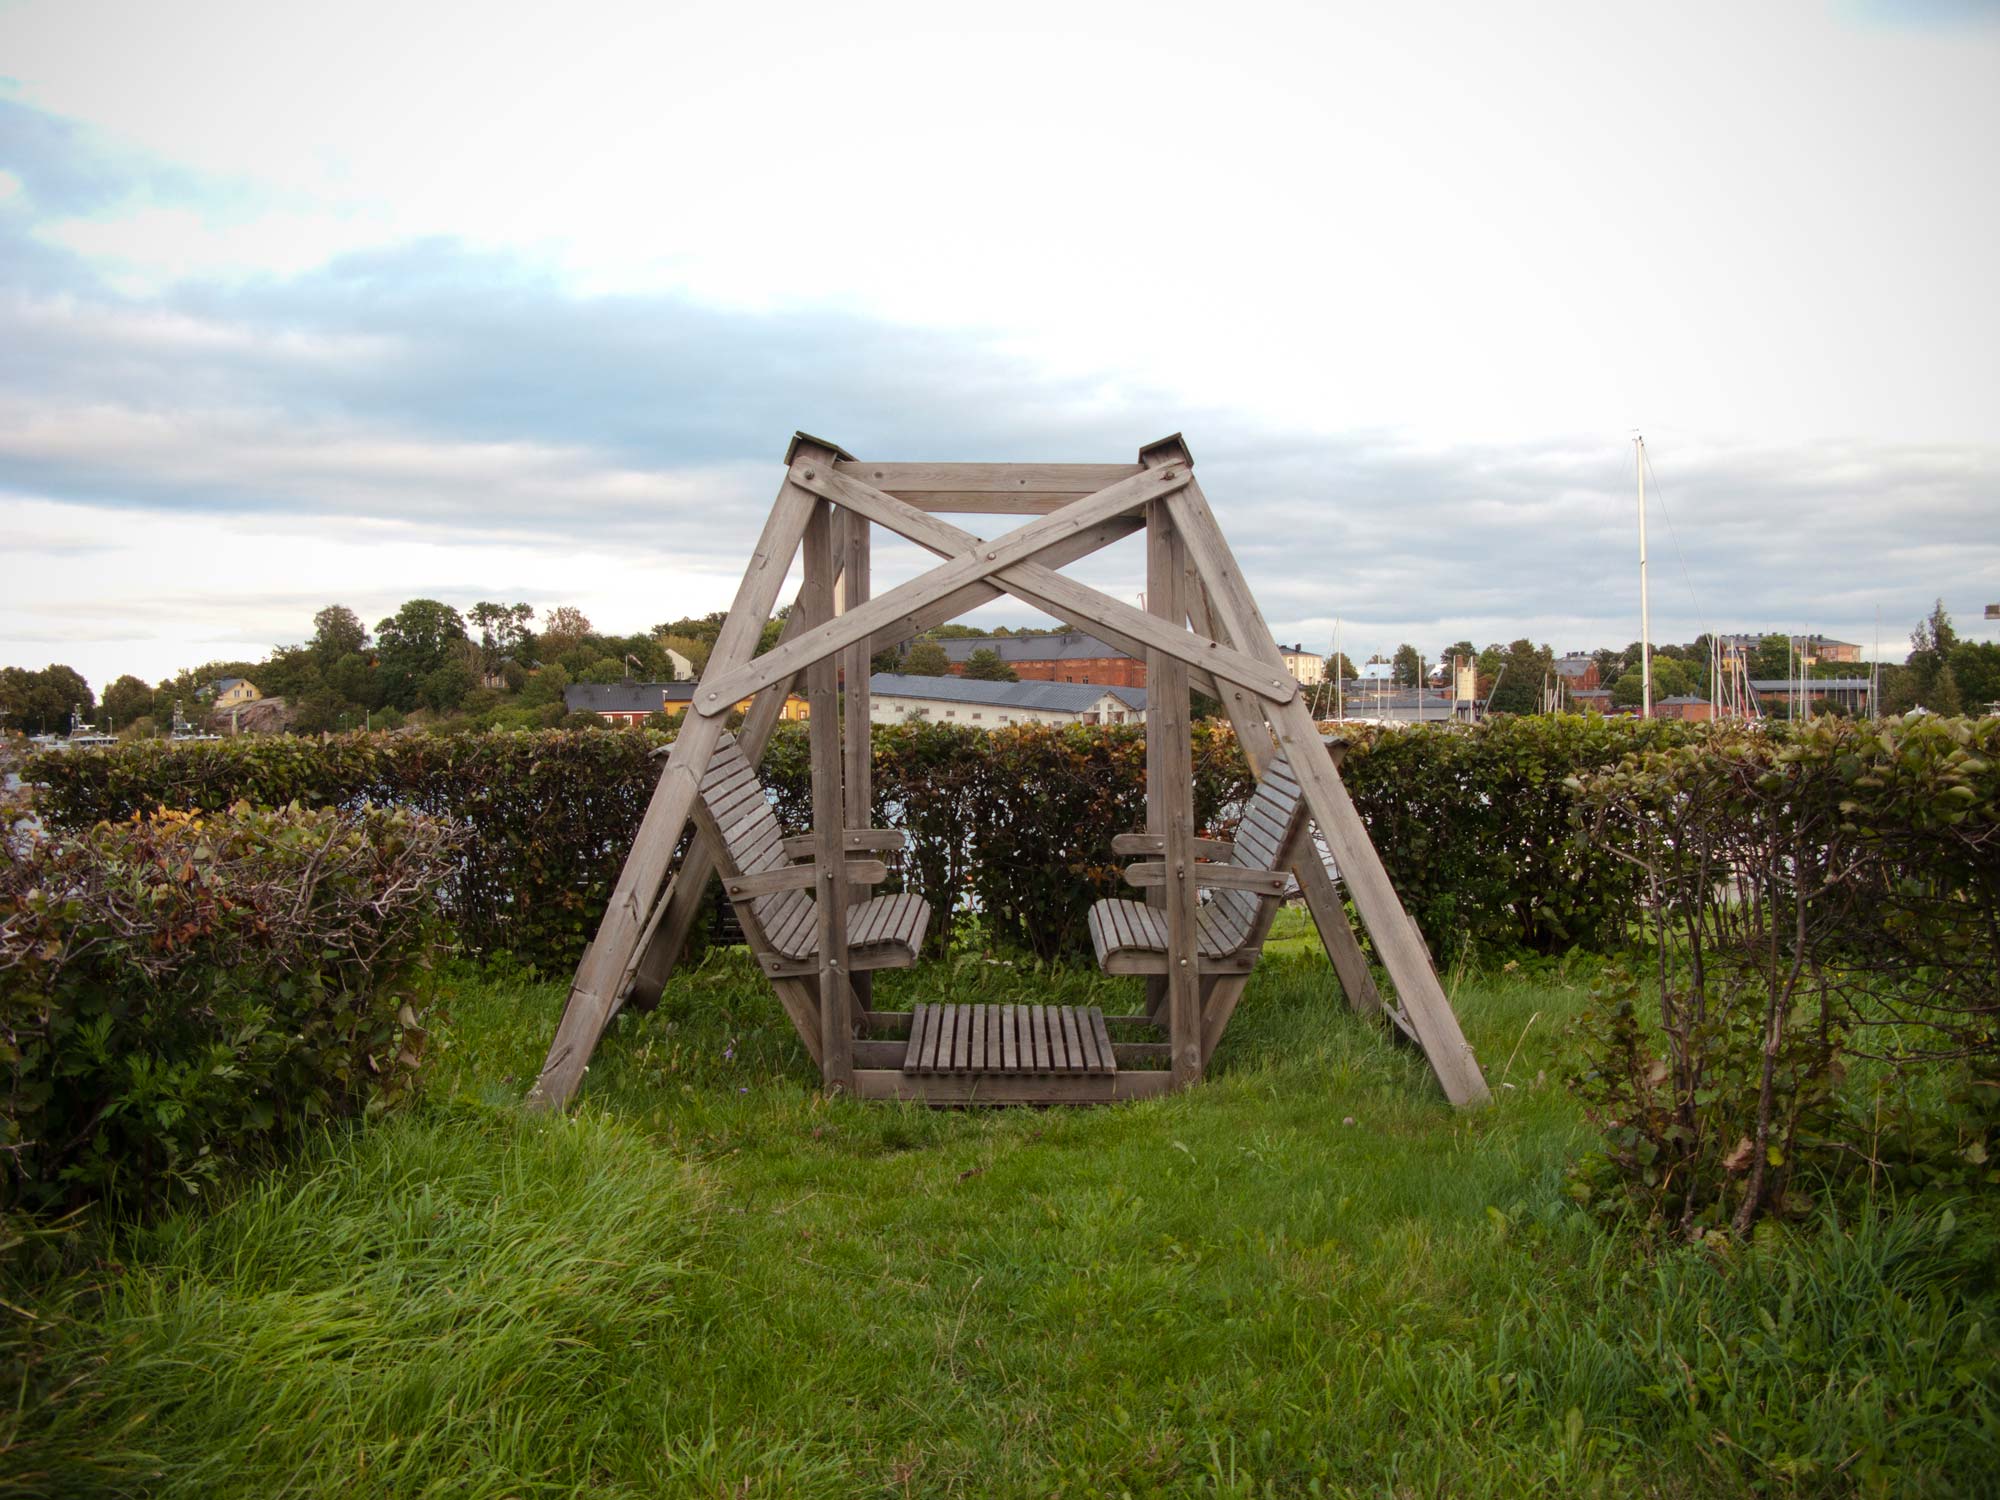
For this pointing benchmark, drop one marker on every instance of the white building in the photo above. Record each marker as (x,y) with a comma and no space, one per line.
(897,699)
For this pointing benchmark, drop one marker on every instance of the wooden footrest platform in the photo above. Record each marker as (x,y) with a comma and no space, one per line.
(1008,1040)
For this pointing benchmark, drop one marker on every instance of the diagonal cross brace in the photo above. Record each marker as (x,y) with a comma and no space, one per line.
(972,566)
(1047,589)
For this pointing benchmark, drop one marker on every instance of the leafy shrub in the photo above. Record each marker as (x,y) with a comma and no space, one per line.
(180,992)
(1826,904)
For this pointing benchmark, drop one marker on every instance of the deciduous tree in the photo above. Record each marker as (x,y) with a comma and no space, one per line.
(127,699)
(562,627)
(926,658)
(986,666)
(337,631)
(412,644)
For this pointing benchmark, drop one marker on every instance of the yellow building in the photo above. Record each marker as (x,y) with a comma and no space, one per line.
(234,692)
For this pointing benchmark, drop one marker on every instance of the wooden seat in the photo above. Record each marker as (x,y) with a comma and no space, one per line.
(1008,1040)
(1131,937)
(769,889)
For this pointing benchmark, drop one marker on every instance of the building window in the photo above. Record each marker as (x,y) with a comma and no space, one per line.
(976,716)
(951,713)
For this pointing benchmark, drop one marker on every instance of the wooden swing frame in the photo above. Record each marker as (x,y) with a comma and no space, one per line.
(1200,630)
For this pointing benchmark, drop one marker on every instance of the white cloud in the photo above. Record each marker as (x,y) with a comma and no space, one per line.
(1408,275)
(1473,223)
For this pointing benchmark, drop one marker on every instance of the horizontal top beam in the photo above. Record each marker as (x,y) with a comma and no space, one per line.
(987,489)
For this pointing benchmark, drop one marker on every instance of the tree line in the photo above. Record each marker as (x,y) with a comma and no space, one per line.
(496,665)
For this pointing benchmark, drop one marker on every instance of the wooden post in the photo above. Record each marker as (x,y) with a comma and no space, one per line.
(857,743)
(830,844)
(601,975)
(1170,795)
(1158,558)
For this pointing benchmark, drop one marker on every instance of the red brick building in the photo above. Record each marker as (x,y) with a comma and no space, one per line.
(1073,657)
(1579,673)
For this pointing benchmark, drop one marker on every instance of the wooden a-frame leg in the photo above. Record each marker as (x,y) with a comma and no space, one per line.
(1423,999)
(594,992)
(1220,1006)
(1329,913)
(603,973)
(674,917)
(1253,735)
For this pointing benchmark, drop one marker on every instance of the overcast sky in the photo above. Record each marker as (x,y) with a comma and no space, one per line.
(359,302)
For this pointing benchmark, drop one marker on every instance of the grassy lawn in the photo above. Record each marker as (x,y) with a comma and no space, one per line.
(1307,1276)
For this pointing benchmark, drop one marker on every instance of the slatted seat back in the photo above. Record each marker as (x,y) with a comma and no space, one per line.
(1269,818)
(740,817)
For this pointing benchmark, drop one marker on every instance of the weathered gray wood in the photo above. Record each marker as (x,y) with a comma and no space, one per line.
(674,917)
(974,1039)
(860,872)
(1154,843)
(972,595)
(1329,913)
(856,740)
(1209,876)
(1039,584)
(990,489)
(602,977)
(1170,794)
(1423,998)
(855,840)
(987,1088)
(989,558)
(829,857)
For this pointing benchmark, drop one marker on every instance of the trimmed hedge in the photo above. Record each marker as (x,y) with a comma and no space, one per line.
(1475,827)
(546,817)
(1479,834)
(180,992)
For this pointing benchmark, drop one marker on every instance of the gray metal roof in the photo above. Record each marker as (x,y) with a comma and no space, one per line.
(617,697)
(1051,697)
(1074,646)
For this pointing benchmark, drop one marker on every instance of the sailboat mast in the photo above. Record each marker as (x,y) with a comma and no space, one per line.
(1645,608)
(1339,674)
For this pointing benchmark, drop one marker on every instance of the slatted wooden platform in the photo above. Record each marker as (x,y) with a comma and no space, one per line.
(1008,1041)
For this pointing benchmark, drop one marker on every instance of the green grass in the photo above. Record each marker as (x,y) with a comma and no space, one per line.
(1307,1276)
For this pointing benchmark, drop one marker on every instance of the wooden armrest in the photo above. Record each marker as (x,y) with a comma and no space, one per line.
(1211,876)
(883,840)
(803,877)
(1156,843)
